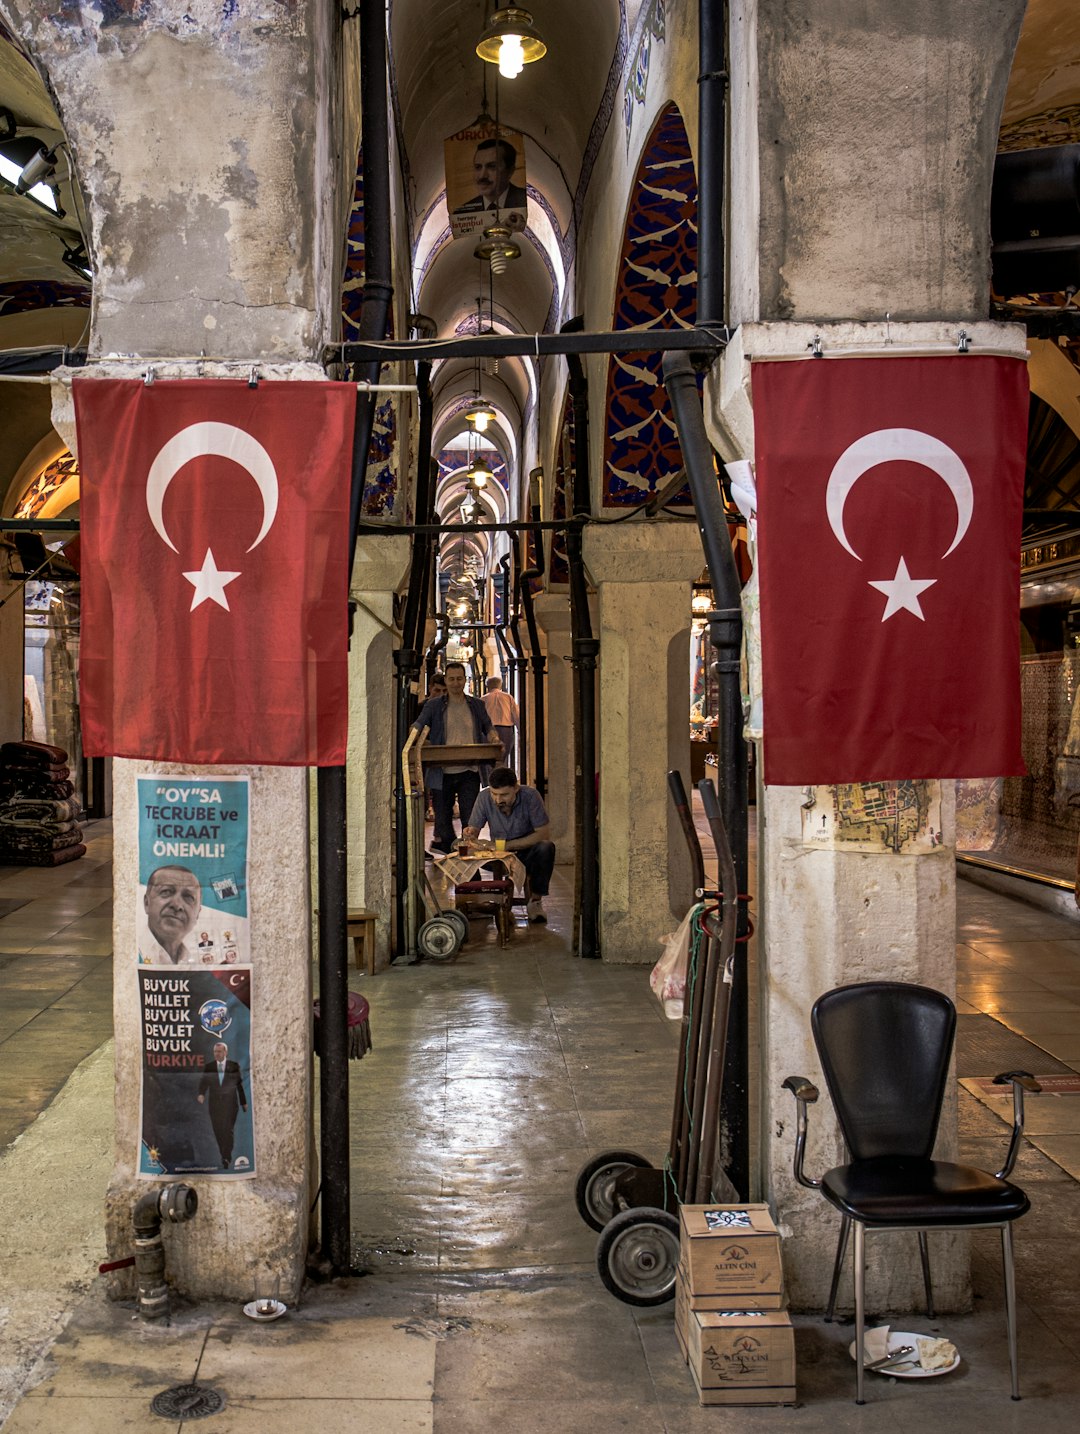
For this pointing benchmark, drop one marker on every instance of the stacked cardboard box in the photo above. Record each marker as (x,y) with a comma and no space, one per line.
(730,1319)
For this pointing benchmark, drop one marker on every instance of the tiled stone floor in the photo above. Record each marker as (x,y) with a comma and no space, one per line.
(491,1080)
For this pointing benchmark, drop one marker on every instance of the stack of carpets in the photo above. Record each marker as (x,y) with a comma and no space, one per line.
(39,814)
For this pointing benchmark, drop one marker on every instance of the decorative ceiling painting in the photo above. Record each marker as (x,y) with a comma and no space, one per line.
(657,289)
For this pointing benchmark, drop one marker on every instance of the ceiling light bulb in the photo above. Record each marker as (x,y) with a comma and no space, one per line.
(481,421)
(511,57)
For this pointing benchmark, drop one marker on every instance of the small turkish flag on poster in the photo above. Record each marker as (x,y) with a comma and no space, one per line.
(215,546)
(890,497)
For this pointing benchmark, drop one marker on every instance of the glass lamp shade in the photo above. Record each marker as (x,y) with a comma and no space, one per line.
(511,41)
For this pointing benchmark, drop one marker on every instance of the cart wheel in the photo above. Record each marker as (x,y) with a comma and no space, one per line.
(458,919)
(638,1255)
(438,939)
(594,1193)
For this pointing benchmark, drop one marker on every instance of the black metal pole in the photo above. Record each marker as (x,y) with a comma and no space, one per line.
(331,787)
(536,655)
(333,1021)
(711,158)
(725,631)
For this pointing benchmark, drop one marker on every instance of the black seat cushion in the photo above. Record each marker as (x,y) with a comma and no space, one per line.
(898,1190)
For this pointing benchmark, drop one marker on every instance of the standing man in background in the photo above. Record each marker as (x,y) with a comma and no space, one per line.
(453,720)
(504,714)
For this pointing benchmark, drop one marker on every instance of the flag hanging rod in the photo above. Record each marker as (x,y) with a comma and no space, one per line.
(622,341)
(39,525)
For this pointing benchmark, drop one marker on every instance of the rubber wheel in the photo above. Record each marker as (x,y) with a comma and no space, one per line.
(458,919)
(594,1194)
(438,939)
(638,1256)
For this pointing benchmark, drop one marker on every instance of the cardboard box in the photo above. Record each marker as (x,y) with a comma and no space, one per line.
(682,1314)
(731,1257)
(742,1356)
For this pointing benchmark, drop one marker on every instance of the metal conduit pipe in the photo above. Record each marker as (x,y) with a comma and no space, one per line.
(176,1204)
(332,796)
(586,649)
(725,632)
(536,658)
(711,159)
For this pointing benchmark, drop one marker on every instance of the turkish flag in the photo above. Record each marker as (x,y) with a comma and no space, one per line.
(215,549)
(890,497)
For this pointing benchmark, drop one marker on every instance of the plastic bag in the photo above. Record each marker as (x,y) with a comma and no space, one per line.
(668,976)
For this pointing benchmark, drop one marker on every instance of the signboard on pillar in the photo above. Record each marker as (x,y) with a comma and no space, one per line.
(196,1116)
(485,179)
(195,977)
(192,900)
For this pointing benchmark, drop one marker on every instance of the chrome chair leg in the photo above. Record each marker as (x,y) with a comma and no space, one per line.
(924,1255)
(1010,1304)
(841,1251)
(860,1308)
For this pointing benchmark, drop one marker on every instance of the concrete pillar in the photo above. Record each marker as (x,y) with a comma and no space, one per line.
(643,573)
(828,916)
(553,619)
(859,191)
(223,243)
(380,568)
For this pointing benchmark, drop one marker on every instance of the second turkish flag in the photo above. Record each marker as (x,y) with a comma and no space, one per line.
(890,495)
(215,550)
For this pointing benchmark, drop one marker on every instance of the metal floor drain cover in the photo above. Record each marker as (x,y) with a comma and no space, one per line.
(187,1401)
(985,1046)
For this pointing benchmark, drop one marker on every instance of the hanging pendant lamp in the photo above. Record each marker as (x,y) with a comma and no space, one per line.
(511,41)
(498,248)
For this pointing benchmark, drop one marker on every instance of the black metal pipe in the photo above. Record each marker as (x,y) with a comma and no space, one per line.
(536,655)
(725,632)
(369,349)
(711,158)
(413,617)
(378,262)
(334,1020)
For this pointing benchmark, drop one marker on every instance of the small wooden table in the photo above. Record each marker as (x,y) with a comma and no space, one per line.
(360,928)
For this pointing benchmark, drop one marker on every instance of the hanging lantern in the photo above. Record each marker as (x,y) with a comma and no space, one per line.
(479,471)
(479,414)
(511,41)
(498,248)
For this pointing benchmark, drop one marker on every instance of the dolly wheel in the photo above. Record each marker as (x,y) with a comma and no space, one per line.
(595,1191)
(438,939)
(638,1255)
(459,919)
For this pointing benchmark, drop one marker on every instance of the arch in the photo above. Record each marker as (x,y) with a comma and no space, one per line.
(656,288)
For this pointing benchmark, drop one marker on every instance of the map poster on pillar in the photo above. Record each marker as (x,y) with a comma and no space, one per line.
(192,899)
(898,817)
(196,1114)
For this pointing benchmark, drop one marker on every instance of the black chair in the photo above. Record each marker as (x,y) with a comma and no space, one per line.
(884,1048)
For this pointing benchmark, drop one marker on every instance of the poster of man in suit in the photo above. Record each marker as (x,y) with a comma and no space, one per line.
(197,1115)
(485,179)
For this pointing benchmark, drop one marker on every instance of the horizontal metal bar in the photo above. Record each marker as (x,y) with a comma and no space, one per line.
(39,525)
(622,341)
(1041,323)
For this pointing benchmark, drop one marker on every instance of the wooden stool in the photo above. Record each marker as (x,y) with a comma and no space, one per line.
(361,928)
(493,898)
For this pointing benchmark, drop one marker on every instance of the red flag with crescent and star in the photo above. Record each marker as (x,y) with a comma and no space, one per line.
(214,520)
(889,503)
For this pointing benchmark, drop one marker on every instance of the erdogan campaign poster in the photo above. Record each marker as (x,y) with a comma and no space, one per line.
(192,898)
(196,1112)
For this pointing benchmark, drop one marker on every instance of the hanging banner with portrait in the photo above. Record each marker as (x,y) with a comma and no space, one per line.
(485,179)
(192,900)
(196,1109)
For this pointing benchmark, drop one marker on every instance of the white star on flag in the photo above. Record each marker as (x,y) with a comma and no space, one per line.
(209,584)
(903,592)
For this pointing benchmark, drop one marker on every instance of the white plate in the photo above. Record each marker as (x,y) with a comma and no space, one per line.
(898,1337)
(253,1312)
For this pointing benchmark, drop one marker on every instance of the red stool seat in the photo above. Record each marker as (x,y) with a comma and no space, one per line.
(481,888)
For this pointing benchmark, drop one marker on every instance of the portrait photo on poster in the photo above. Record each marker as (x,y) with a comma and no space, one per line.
(485,179)
(196,1098)
(191,905)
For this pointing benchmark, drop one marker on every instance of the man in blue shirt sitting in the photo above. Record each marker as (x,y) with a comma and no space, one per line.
(518,821)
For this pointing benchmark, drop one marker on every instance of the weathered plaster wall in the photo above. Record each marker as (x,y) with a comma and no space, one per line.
(192,130)
(861,183)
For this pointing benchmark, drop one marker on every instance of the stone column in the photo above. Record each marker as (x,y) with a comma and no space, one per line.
(644,573)
(380,568)
(213,230)
(859,192)
(827,917)
(553,618)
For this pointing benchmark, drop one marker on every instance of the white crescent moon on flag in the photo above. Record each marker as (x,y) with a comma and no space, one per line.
(211,440)
(886,445)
